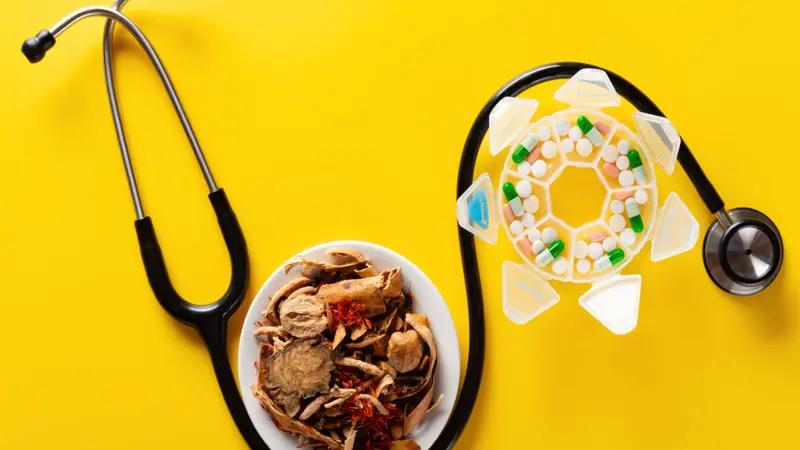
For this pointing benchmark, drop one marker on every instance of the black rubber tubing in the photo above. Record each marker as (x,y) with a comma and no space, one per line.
(469,258)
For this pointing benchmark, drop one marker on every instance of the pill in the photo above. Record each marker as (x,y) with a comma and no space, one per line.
(513,198)
(632,208)
(617,222)
(610,170)
(605,263)
(567,145)
(516,227)
(602,126)
(524,188)
(524,168)
(534,154)
(524,148)
(549,235)
(580,249)
(560,265)
(623,163)
(539,168)
(597,236)
(508,213)
(623,195)
(538,246)
(549,254)
(527,220)
(610,154)
(595,250)
(628,237)
(609,244)
(531,204)
(626,178)
(575,133)
(623,146)
(526,246)
(617,207)
(543,133)
(534,235)
(584,147)
(562,126)
(636,166)
(590,131)
(584,266)
(641,196)
(549,149)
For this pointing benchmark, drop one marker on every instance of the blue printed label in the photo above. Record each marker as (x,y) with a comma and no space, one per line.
(478,209)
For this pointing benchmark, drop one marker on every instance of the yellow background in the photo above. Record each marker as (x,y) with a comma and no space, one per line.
(329,120)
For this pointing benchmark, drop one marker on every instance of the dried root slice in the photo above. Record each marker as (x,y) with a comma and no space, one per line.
(325,267)
(271,331)
(360,365)
(314,406)
(342,393)
(291,425)
(303,316)
(385,366)
(435,404)
(358,331)
(420,324)
(415,417)
(336,402)
(375,403)
(341,333)
(350,440)
(369,340)
(371,292)
(367,272)
(302,370)
(385,382)
(348,254)
(308,290)
(404,445)
(287,289)
(405,351)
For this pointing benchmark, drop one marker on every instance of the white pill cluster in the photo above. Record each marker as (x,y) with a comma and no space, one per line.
(617,221)
(535,242)
(535,163)
(599,245)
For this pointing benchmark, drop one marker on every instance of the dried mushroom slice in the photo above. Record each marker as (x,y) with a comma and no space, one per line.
(287,289)
(405,351)
(301,370)
(303,316)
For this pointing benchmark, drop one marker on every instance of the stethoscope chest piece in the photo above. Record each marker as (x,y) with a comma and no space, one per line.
(743,251)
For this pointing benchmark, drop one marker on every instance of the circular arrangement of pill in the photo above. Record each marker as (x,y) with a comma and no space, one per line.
(545,248)
(597,255)
(532,154)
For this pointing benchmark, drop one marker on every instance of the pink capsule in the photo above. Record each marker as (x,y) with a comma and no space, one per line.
(525,246)
(602,127)
(534,154)
(623,195)
(611,170)
(508,213)
(597,236)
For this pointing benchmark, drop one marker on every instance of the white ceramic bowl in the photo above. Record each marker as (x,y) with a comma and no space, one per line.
(428,302)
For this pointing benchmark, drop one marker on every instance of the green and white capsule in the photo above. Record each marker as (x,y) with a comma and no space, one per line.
(513,199)
(636,166)
(590,131)
(612,258)
(549,254)
(634,217)
(524,148)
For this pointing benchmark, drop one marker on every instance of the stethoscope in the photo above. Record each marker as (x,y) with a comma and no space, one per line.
(743,250)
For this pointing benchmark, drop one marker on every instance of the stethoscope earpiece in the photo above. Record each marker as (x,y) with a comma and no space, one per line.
(743,251)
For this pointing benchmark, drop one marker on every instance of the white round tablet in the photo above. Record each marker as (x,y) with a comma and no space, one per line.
(626,178)
(628,237)
(585,147)
(641,196)
(609,244)
(575,133)
(549,235)
(562,126)
(528,220)
(584,266)
(543,133)
(610,154)
(595,250)
(539,169)
(617,207)
(617,223)
(515,227)
(524,168)
(623,146)
(580,249)
(531,204)
(560,265)
(524,188)
(538,247)
(534,235)
(567,145)
(623,163)
(549,149)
